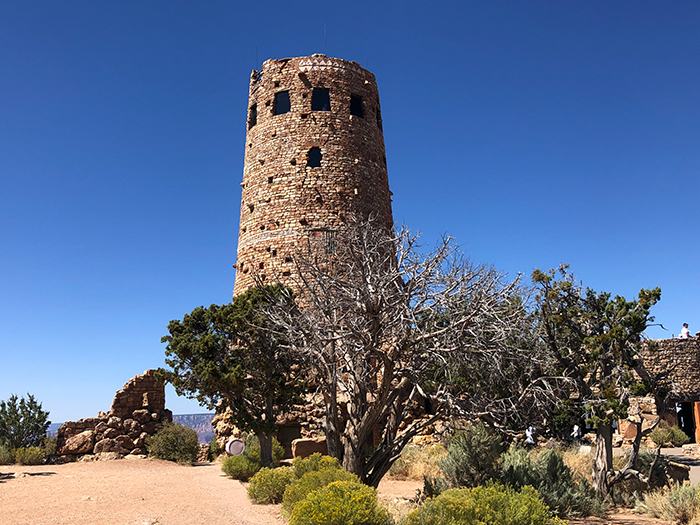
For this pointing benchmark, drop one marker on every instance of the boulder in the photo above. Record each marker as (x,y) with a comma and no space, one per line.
(303,448)
(80,443)
(111,433)
(105,445)
(124,442)
(114,422)
(142,415)
(677,472)
(108,456)
(131,425)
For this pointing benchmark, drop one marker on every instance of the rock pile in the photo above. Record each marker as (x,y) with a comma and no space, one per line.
(138,410)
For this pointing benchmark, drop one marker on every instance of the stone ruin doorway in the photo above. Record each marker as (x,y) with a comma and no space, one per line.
(688,415)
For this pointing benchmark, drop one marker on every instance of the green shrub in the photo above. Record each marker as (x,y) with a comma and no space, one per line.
(49,445)
(680,504)
(311,481)
(174,442)
(244,466)
(472,457)
(665,434)
(252,449)
(268,485)
(486,505)
(7,455)
(553,480)
(214,450)
(314,463)
(29,456)
(340,503)
(240,467)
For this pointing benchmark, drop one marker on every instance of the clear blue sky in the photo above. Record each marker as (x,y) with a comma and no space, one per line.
(533,132)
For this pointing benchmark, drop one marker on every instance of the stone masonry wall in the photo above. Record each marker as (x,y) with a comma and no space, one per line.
(675,365)
(138,410)
(287,205)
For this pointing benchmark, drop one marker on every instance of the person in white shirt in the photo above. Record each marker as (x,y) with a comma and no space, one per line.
(685,333)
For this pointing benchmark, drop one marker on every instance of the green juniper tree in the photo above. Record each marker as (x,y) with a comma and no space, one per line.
(595,339)
(23,423)
(225,357)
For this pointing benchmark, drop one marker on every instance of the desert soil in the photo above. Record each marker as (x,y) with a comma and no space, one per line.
(154,492)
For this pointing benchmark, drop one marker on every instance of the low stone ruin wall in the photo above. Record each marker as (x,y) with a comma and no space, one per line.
(138,410)
(675,365)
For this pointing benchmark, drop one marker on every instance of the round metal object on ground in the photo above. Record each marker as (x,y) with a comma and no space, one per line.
(234,447)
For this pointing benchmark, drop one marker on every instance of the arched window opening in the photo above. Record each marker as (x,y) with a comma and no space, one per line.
(315,157)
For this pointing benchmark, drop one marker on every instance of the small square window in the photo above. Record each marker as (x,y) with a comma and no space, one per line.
(356,106)
(282,104)
(321,99)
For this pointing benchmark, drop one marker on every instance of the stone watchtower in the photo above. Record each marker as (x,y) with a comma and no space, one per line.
(314,156)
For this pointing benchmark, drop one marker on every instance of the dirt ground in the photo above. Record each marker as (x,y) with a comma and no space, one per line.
(154,492)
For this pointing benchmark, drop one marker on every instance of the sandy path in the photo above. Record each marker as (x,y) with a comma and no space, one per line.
(154,492)
(128,492)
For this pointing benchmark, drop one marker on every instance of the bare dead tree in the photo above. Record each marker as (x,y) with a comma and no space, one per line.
(384,326)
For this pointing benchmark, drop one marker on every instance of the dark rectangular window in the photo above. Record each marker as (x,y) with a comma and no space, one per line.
(356,106)
(253,116)
(321,99)
(314,159)
(379,118)
(282,104)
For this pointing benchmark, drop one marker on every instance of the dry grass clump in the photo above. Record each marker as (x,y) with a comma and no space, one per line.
(417,462)
(581,465)
(679,504)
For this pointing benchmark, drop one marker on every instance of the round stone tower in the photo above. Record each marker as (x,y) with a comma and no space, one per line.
(314,156)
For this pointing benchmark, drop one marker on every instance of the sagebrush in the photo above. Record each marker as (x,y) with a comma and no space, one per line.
(679,504)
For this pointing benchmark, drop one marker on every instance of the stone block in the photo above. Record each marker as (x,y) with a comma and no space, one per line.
(80,443)
(303,448)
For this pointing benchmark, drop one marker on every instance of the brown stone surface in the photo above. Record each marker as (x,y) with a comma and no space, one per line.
(140,392)
(675,365)
(303,448)
(80,443)
(287,206)
(119,431)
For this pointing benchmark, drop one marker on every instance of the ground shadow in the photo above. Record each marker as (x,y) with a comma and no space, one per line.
(4,476)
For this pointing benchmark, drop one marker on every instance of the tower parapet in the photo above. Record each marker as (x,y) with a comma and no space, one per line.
(314,157)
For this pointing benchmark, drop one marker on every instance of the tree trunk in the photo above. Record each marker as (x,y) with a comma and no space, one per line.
(265,449)
(603,459)
(353,460)
(333,424)
(265,437)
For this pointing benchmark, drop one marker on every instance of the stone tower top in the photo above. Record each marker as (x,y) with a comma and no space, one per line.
(314,156)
